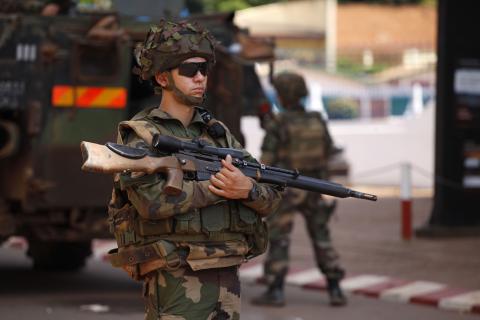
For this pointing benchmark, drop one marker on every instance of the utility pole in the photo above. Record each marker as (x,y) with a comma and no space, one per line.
(456,209)
(331,35)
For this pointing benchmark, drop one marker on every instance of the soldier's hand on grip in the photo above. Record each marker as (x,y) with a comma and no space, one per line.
(230,182)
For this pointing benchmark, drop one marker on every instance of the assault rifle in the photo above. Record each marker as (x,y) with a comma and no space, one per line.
(196,160)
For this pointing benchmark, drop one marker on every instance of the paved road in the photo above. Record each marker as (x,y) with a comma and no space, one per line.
(366,236)
(32,295)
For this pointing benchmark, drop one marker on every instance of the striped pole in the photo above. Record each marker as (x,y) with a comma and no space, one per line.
(406,200)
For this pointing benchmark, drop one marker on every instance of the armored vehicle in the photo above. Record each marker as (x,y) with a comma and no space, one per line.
(61,83)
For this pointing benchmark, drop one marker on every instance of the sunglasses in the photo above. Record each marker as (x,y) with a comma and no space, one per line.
(190,69)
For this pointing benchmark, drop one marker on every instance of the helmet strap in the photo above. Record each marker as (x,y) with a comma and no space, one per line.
(181,97)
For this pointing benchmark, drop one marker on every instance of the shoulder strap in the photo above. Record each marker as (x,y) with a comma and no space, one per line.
(140,127)
(216,129)
(227,134)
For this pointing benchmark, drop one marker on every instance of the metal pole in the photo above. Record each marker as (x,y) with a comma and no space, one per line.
(406,200)
(331,35)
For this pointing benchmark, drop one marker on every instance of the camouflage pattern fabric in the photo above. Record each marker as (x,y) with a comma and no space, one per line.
(204,284)
(297,139)
(316,213)
(187,295)
(290,88)
(146,192)
(301,140)
(185,215)
(169,43)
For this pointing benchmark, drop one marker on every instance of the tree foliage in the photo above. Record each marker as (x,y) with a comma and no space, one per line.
(390,1)
(231,5)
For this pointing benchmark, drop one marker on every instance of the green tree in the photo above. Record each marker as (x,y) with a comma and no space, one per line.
(231,5)
(390,1)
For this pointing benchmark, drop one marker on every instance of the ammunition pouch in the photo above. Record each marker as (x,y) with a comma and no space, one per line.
(258,240)
(146,238)
(139,261)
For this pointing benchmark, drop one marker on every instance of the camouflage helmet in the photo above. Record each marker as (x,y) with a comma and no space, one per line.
(170,43)
(290,87)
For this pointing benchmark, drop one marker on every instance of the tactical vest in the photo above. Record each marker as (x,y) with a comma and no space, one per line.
(303,141)
(146,244)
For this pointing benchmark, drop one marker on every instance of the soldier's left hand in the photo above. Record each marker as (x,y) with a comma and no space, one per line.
(230,182)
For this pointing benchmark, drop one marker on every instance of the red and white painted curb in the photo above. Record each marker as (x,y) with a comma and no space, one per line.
(381,287)
(377,286)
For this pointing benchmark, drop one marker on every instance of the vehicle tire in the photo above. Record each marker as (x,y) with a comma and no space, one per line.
(58,256)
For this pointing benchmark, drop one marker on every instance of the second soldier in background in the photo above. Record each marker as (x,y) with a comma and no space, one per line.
(298,139)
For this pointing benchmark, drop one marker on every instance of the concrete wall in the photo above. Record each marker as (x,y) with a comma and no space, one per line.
(376,148)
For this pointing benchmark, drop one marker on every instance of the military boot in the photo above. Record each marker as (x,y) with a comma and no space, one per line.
(274,296)
(337,298)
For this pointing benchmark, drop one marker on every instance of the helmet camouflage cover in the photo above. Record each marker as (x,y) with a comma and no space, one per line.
(170,43)
(290,88)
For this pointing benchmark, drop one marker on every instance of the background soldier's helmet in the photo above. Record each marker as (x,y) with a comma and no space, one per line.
(169,43)
(290,87)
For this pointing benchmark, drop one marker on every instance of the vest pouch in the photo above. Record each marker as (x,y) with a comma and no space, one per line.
(154,227)
(119,220)
(216,218)
(188,223)
(122,224)
(258,240)
(242,218)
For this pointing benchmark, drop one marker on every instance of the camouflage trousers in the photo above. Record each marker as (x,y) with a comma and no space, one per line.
(184,294)
(316,213)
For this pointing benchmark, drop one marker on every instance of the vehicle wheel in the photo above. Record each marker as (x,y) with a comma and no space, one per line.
(58,256)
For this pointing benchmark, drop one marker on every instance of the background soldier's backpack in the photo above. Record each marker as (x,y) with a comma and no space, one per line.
(305,141)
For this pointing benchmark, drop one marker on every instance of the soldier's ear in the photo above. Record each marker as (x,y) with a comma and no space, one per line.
(162,78)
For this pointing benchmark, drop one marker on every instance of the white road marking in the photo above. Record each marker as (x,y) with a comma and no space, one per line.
(461,302)
(405,292)
(251,273)
(362,281)
(101,247)
(304,277)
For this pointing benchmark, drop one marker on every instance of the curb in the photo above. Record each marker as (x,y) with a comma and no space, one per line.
(381,287)
(376,286)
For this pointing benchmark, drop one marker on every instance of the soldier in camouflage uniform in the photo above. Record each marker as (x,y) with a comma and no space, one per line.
(298,139)
(186,248)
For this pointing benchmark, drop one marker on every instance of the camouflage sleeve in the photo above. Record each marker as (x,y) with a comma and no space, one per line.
(145,192)
(269,196)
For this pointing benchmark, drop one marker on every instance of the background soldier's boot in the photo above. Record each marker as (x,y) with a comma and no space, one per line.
(337,298)
(274,296)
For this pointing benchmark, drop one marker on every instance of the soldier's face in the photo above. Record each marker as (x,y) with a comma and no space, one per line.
(191,76)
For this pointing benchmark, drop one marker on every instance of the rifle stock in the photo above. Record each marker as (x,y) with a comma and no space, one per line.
(100,159)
